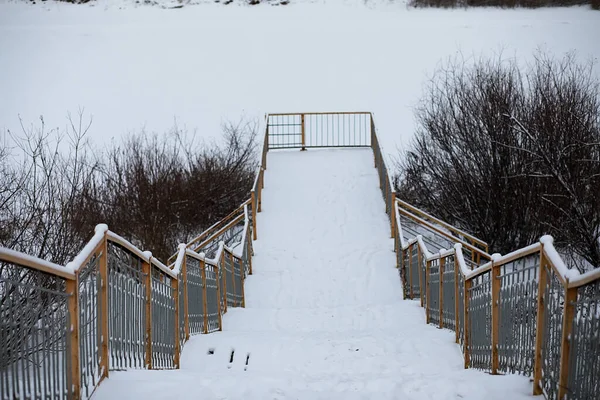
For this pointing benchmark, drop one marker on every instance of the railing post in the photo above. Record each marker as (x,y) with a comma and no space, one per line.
(466,324)
(103,320)
(253,200)
(147,271)
(303,133)
(441,272)
(495,277)
(427,266)
(456,302)
(541,317)
(72,288)
(204,295)
(565,345)
(177,355)
(186,320)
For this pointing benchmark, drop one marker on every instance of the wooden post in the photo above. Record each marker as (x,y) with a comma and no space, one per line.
(541,317)
(204,294)
(147,271)
(427,291)
(176,356)
(186,319)
(421,283)
(441,272)
(103,302)
(466,321)
(409,275)
(254,215)
(565,345)
(72,288)
(496,283)
(303,133)
(456,302)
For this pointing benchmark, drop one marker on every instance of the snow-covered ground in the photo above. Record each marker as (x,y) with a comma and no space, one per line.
(135,67)
(324,316)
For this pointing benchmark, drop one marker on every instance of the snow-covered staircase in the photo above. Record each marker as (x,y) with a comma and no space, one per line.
(324,316)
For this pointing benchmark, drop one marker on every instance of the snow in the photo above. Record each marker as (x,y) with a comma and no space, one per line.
(568,274)
(324,316)
(135,68)
(88,249)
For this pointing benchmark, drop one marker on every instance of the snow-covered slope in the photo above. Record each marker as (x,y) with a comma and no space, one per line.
(324,316)
(144,67)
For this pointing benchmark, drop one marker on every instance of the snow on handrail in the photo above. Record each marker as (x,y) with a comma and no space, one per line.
(567,275)
(25,260)
(403,243)
(178,264)
(88,250)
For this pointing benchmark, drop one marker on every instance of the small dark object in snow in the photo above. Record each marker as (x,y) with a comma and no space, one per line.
(231,358)
(211,351)
(356,350)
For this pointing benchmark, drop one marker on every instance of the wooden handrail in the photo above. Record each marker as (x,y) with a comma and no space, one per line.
(452,228)
(318,113)
(219,232)
(445,234)
(27,261)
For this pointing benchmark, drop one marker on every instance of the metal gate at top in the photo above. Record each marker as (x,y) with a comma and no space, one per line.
(314,130)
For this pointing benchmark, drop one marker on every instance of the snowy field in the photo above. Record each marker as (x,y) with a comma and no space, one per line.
(324,316)
(141,67)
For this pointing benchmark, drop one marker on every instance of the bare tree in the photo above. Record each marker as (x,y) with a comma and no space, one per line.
(511,155)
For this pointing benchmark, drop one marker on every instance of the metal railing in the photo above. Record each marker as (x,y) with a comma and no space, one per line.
(523,313)
(115,307)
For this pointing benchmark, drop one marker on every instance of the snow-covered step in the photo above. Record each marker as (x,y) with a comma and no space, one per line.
(324,316)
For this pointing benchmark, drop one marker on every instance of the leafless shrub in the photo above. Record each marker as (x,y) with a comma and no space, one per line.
(510,155)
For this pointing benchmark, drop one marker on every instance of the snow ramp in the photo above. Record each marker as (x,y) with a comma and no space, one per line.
(324,315)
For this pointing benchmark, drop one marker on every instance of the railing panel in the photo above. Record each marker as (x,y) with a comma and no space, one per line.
(213,299)
(34,324)
(554,297)
(584,362)
(433,292)
(90,313)
(414,272)
(126,309)
(230,289)
(313,130)
(181,308)
(337,130)
(405,259)
(480,321)
(238,276)
(517,305)
(461,311)
(163,320)
(423,272)
(195,296)
(449,294)
(284,131)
